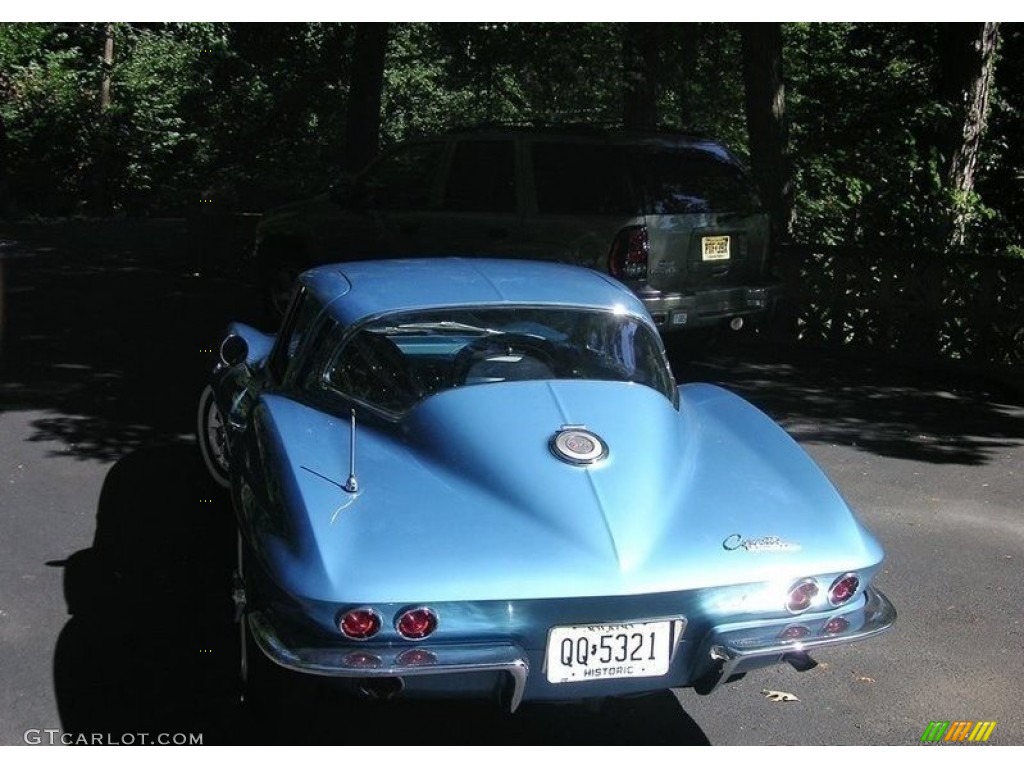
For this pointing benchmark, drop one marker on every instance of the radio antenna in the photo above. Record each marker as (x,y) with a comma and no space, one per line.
(352,484)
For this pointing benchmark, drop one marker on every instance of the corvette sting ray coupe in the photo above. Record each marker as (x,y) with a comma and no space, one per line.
(473,477)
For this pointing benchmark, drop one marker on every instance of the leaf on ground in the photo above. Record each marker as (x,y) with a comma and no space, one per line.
(862,678)
(778,695)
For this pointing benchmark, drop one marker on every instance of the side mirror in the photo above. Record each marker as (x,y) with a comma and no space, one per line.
(233,351)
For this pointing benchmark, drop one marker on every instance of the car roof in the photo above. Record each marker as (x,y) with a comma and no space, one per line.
(352,291)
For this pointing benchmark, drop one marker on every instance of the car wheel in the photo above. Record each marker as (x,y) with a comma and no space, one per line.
(213,439)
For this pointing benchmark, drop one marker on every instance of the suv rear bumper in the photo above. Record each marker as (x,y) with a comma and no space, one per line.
(702,309)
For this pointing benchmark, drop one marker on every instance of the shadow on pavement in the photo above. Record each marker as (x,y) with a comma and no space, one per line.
(151,647)
(103,326)
(938,416)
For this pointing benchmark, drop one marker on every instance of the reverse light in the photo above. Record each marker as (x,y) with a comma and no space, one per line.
(843,588)
(361,660)
(794,632)
(359,623)
(835,625)
(416,623)
(627,259)
(801,595)
(416,657)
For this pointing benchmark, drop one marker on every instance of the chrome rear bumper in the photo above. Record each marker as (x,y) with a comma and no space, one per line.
(674,311)
(734,651)
(369,661)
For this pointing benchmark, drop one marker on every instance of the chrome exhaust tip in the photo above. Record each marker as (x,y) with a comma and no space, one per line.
(381,688)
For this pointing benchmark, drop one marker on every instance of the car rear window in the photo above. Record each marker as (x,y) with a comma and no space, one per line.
(395,361)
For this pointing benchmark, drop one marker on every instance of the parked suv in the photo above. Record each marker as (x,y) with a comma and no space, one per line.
(673,216)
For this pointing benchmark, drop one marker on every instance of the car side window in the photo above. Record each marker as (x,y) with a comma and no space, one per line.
(482,178)
(401,180)
(581,178)
(297,323)
(372,368)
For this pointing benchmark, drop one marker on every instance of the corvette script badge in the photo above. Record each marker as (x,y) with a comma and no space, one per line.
(759,544)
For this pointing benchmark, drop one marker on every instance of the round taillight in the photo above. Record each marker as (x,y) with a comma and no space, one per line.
(417,657)
(843,588)
(416,623)
(801,595)
(835,625)
(359,623)
(794,632)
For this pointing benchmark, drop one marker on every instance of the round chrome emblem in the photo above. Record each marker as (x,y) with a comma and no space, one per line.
(578,446)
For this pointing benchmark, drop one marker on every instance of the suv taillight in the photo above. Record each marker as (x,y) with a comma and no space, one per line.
(628,257)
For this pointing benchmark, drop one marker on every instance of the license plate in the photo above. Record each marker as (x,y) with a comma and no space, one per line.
(605,651)
(714,248)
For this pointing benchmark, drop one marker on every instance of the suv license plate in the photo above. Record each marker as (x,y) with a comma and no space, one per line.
(603,651)
(714,248)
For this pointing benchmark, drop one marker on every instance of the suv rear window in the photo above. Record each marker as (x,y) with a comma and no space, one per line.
(596,178)
(689,181)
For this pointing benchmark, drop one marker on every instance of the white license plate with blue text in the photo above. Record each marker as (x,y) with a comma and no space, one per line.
(604,651)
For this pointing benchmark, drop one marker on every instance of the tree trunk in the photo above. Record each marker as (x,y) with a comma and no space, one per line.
(641,54)
(5,186)
(686,43)
(766,122)
(362,131)
(968,57)
(103,200)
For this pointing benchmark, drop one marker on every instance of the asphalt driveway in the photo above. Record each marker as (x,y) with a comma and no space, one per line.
(115,551)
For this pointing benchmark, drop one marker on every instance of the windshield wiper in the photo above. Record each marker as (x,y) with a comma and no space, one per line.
(445,326)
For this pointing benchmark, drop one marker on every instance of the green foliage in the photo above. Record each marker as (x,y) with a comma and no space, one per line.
(706,95)
(865,121)
(440,76)
(50,94)
(249,115)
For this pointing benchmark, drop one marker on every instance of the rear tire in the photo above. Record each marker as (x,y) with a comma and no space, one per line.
(213,438)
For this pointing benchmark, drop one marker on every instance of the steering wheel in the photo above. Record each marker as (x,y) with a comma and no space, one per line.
(488,347)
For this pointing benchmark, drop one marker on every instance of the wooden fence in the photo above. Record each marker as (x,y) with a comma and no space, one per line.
(914,306)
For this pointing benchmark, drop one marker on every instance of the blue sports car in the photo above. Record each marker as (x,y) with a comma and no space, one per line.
(471,477)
